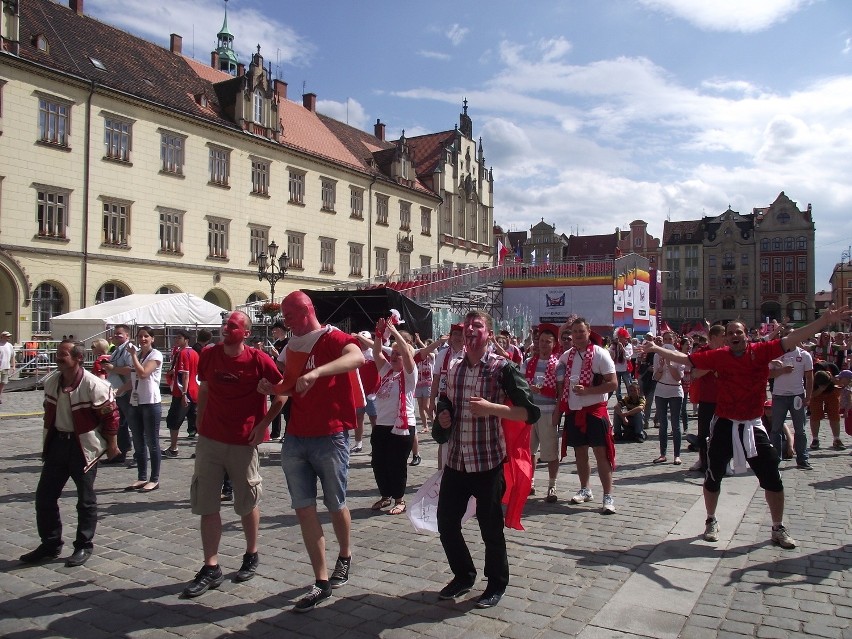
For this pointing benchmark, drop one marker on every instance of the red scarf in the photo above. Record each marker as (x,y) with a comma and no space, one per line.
(548,388)
(403,409)
(595,410)
(586,374)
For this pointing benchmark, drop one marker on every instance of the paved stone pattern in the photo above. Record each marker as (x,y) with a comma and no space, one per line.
(567,567)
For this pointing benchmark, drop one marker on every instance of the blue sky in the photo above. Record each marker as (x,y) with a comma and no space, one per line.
(593,113)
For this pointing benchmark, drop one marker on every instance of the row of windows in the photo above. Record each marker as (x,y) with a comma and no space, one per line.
(55,125)
(801,264)
(784,244)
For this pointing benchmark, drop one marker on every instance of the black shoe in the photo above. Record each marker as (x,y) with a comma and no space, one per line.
(340,574)
(41,553)
(207,578)
(249,567)
(310,601)
(78,558)
(804,465)
(169,452)
(118,459)
(489,599)
(190,435)
(456,588)
(415,461)
(229,496)
(786,457)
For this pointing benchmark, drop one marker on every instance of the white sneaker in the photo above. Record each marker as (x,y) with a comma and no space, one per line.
(608,505)
(781,537)
(584,494)
(711,529)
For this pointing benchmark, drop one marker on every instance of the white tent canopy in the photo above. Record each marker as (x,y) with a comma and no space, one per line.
(175,309)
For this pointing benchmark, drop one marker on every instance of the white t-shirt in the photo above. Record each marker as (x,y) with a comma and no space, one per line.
(621,367)
(793,383)
(387,399)
(601,363)
(147,390)
(668,385)
(7,352)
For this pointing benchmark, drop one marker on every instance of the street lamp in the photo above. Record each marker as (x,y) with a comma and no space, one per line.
(270,269)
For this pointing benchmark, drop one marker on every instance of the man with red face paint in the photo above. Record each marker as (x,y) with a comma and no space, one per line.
(469,415)
(232,421)
(320,375)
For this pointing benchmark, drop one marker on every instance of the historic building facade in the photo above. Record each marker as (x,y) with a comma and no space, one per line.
(131,168)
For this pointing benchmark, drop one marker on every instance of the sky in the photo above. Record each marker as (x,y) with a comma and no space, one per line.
(592,113)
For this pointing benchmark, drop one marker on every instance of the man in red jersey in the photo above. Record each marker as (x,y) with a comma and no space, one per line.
(184,385)
(232,421)
(320,375)
(737,432)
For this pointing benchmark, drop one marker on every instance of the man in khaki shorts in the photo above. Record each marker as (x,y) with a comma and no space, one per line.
(232,421)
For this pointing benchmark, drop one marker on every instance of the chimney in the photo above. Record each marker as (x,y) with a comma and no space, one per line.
(214,59)
(280,89)
(76,6)
(309,101)
(241,69)
(176,44)
(379,130)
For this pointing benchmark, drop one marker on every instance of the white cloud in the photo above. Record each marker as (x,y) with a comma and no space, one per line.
(456,34)
(351,112)
(434,55)
(729,15)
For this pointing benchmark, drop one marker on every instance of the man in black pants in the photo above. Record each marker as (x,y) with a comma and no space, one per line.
(704,382)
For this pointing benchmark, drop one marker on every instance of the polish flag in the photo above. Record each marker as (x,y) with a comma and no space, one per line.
(502,252)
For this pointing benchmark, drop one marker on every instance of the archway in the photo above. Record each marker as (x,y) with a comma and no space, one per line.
(219,297)
(9,304)
(772,310)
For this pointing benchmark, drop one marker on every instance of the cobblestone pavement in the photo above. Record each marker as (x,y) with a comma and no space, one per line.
(643,572)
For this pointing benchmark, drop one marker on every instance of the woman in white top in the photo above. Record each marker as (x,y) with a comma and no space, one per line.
(145,409)
(392,436)
(669,398)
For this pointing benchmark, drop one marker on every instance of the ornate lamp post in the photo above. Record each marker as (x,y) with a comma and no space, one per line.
(270,269)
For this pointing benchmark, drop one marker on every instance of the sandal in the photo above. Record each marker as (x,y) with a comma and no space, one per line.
(384,502)
(660,460)
(677,461)
(398,508)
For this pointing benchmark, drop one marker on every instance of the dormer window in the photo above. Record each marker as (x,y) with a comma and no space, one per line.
(258,107)
(41,43)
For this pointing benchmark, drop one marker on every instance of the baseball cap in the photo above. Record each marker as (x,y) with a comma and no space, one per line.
(6,334)
(365,334)
(550,328)
(845,374)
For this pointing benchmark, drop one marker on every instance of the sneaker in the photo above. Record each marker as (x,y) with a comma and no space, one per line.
(168,452)
(551,496)
(608,505)
(711,529)
(456,588)
(191,435)
(782,538)
(584,494)
(249,567)
(838,445)
(489,599)
(356,449)
(340,574)
(310,600)
(415,461)
(207,578)
(815,444)
(226,497)
(804,465)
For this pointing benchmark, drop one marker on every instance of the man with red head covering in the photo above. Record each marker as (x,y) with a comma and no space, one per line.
(320,375)
(621,352)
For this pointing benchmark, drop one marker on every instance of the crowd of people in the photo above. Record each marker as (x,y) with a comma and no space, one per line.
(462,386)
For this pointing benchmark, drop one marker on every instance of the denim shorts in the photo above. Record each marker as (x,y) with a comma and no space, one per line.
(370,409)
(306,459)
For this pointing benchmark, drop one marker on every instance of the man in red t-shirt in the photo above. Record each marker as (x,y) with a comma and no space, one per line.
(232,421)
(705,389)
(320,375)
(737,431)
(184,384)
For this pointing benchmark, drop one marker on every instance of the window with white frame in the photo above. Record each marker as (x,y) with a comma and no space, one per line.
(117,137)
(297,186)
(171,152)
(356,202)
(220,165)
(260,176)
(404,216)
(217,237)
(404,265)
(327,254)
(258,107)
(171,230)
(425,220)
(356,258)
(295,249)
(448,216)
(258,241)
(116,226)
(54,120)
(109,292)
(381,261)
(52,212)
(329,194)
(47,302)
(382,205)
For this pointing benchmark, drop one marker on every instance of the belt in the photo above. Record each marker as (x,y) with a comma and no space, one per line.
(65,435)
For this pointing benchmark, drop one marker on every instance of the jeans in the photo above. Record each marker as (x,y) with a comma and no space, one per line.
(390,461)
(487,486)
(124,442)
(145,426)
(781,405)
(666,405)
(622,376)
(63,459)
(631,427)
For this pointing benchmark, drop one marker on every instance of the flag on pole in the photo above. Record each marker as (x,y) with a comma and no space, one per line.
(532,256)
(502,252)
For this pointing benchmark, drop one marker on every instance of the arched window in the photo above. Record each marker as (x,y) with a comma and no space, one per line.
(47,302)
(109,291)
(776,243)
(744,303)
(255,297)
(801,243)
(166,290)
(764,244)
(788,244)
